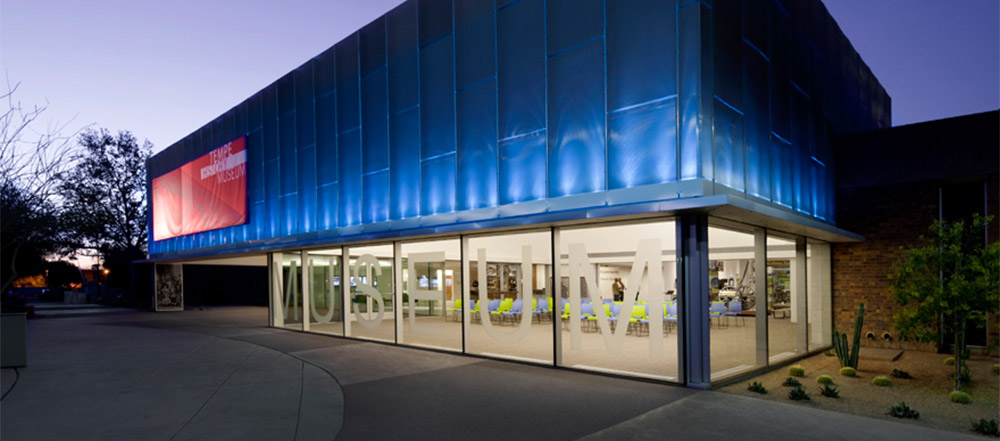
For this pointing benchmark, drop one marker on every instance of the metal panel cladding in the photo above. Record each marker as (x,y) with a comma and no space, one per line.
(446,111)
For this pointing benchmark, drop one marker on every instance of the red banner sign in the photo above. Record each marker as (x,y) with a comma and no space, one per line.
(205,194)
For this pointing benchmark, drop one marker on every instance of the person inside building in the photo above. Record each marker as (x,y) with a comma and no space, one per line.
(618,289)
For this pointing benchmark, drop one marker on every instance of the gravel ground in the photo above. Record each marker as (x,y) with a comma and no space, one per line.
(927,393)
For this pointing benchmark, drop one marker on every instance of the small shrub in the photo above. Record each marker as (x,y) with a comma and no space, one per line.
(965,377)
(960,397)
(791,382)
(986,427)
(901,410)
(996,369)
(829,391)
(881,380)
(899,373)
(950,361)
(797,371)
(797,393)
(756,387)
(824,379)
(829,353)
(848,371)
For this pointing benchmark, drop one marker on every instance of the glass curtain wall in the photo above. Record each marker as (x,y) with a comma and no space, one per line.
(617,300)
(784,298)
(371,311)
(286,291)
(430,292)
(607,303)
(732,272)
(508,309)
(326,315)
(819,301)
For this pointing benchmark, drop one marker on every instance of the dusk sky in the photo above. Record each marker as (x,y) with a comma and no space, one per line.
(163,69)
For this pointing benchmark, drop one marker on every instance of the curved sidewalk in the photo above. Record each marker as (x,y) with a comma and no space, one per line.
(87,379)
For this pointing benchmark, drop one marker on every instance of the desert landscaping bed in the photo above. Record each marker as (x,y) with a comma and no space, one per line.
(926,393)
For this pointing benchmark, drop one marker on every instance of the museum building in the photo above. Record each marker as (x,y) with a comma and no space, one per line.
(642,188)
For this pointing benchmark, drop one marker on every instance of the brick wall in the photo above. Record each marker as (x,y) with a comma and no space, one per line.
(891,218)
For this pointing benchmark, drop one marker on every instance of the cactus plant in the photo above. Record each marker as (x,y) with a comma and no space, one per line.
(797,393)
(756,387)
(881,380)
(791,382)
(797,371)
(986,427)
(996,369)
(960,397)
(848,371)
(824,379)
(847,354)
(829,391)
(899,373)
(950,361)
(901,410)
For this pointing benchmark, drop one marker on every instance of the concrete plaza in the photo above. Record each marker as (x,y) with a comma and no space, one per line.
(222,374)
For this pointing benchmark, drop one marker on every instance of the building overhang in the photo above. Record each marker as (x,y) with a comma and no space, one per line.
(694,196)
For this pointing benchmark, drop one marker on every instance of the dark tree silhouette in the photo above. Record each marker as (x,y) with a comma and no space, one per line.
(104,204)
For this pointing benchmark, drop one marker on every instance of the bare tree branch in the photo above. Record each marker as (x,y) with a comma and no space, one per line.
(31,160)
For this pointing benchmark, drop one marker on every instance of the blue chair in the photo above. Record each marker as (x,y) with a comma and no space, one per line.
(493,308)
(717,310)
(638,318)
(542,309)
(616,310)
(514,312)
(670,316)
(587,313)
(644,320)
(735,309)
(611,311)
(473,310)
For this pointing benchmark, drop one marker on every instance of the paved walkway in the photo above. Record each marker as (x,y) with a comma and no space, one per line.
(220,374)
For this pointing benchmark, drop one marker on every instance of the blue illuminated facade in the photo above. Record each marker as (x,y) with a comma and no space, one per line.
(449,116)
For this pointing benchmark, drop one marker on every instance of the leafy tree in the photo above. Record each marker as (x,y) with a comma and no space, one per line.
(104,204)
(955,275)
(30,160)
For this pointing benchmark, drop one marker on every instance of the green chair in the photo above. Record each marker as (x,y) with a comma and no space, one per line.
(638,318)
(474,310)
(610,313)
(505,306)
(457,310)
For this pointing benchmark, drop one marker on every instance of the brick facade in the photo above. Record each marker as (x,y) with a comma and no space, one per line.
(891,218)
(892,184)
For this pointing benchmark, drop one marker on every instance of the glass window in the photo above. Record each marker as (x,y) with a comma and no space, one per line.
(286,301)
(783,298)
(326,313)
(508,312)
(431,310)
(819,301)
(370,296)
(732,301)
(617,298)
